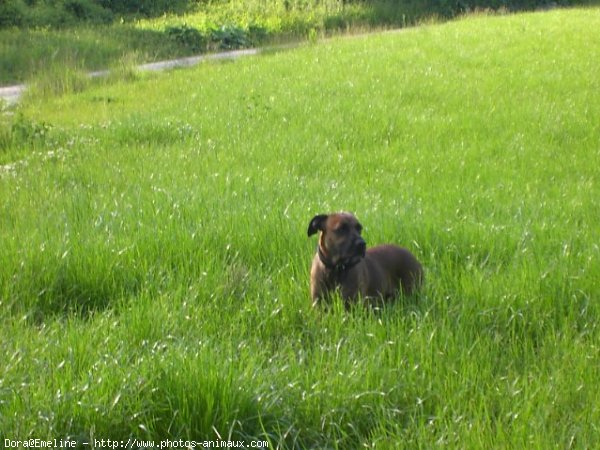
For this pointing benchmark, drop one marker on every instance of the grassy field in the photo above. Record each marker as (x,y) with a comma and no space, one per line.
(154,262)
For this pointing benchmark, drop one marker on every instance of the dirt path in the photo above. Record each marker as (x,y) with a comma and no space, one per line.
(11,94)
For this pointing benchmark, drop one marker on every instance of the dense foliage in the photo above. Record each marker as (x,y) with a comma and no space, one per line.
(60,13)
(57,13)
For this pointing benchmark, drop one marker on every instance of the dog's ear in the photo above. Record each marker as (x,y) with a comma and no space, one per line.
(317,223)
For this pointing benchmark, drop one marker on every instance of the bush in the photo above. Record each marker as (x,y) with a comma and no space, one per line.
(57,13)
(12,13)
(257,34)
(144,7)
(60,13)
(187,36)
(86,10)
(229,37)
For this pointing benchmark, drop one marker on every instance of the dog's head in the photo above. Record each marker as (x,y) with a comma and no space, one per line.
(340,240)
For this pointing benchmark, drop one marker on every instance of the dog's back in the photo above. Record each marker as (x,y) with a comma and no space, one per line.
(399,265)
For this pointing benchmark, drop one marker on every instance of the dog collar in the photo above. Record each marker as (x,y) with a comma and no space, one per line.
(340,267)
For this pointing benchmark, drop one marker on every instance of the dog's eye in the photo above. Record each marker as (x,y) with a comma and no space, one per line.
(343,228)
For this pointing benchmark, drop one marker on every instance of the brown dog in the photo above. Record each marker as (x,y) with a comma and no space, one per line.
(343,262)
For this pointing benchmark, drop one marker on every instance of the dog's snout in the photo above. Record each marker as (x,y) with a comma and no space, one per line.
(361,246)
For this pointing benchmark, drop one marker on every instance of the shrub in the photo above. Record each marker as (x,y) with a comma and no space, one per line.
(187,36)
(257,34)
(86,10)
(51,13)
(12,13)
(144,7)
(229,37)
(60,13)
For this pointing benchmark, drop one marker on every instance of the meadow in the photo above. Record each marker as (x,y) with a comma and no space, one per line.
(154,259)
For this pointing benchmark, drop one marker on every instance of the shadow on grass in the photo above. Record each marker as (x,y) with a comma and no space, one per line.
(80,296)
(47,289)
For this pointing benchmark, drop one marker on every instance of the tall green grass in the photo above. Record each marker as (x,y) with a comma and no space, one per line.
(154,263)
(28,54)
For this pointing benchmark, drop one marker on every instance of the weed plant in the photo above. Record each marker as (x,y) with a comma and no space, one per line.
(154,263)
